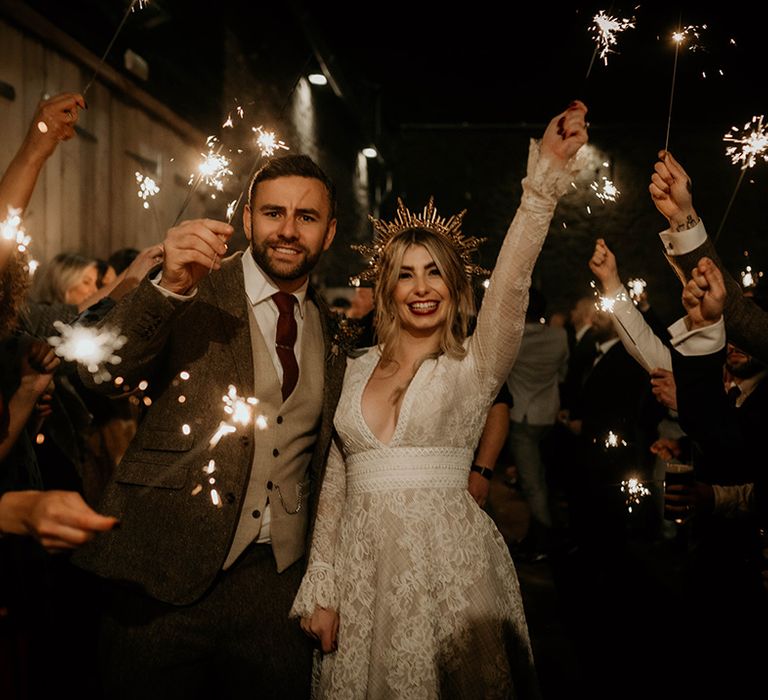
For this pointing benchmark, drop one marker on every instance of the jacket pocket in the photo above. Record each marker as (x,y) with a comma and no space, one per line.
(159,460)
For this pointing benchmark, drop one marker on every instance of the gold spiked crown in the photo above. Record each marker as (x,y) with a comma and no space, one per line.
(430,220)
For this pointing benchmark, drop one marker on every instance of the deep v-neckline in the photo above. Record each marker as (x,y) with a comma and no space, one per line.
(404,404)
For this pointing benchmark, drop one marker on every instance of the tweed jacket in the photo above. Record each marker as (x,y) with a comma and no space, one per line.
(172,542)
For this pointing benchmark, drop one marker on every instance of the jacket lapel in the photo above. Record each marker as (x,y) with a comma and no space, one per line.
(225,290)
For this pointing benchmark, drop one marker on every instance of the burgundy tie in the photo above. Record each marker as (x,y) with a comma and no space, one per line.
(285,339)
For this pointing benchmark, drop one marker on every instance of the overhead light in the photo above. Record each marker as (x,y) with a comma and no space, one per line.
(318,79)
(370,152)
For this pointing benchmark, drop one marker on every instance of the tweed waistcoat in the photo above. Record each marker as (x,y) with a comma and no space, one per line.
(284,449)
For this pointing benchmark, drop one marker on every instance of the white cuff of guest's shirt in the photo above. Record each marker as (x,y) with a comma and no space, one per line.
(699,341)
(168,293)
(682,242)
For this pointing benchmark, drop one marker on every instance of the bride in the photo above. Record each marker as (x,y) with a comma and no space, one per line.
(410,588)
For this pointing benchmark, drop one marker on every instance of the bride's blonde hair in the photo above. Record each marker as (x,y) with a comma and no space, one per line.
(461,305)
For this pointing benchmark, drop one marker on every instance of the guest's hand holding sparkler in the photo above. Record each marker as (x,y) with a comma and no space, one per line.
(603,265)
(704,294)
(54,121)
(566,133)
(672,193)
(191,250)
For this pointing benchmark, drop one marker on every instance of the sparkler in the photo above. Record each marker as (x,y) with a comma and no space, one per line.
(635,491)
(214,167)
(147,188)
(12,230)
(604,29)
(749,277)
(141,4)
(89,346)
(747,147)
(605,192)
(637,287)
(241,411)
(614,440)
(691,33)
(213,170)
(268,142)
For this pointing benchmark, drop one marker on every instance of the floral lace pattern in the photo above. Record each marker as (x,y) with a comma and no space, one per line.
(427,593)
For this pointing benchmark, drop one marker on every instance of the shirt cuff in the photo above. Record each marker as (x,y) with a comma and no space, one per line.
(682,242)
(167,292)
(699,341)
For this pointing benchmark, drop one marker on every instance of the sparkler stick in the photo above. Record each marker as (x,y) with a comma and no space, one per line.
(678,37)
(689,32)
(131,7)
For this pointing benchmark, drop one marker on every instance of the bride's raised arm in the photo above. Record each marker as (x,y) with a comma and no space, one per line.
(551,167)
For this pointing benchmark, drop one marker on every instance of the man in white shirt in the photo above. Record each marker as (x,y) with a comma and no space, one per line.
(540,367)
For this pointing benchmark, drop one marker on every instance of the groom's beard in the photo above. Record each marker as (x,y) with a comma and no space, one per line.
(283,269)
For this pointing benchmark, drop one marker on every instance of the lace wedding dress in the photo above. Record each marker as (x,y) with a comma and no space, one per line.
(426,590)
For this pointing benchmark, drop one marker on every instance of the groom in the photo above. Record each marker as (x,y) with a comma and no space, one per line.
(209,553)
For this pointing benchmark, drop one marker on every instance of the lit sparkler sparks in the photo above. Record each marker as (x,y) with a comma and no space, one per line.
(141,4)
(614,440)
(749,276)
(208,470)
(268,142)
(229,122)
(241,411)
(750,144)
(147,188)
(636,287)
(89,346)
(604,30)
(635,491)
(12,230)
(231,207)
(605,192)
(214,168)
(691,33)
(606,303)
(238,407)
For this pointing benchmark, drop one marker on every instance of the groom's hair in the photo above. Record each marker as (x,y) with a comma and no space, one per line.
(293,165)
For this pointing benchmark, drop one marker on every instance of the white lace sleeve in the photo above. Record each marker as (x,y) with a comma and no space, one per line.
(496,339)
(318,587)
